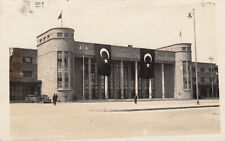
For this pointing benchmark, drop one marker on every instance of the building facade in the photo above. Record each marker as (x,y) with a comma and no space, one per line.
(208,83)
(23,74)
(69,68)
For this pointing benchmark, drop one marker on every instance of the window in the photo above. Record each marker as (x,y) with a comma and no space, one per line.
(59,59)
(66,80)
(44,38)
(202,69)
(66,34)
(202,79)
(59,81)
(48,36)
(183,48)
(193,78)
(66,57)
(184,67)
(59,34)
(185,83)
(27,73)
(193,69)
(27,59)
(40,40)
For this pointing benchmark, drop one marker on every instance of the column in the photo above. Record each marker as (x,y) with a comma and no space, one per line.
(89,79)
(121,80)
(115,80)
(129,81)
(187,74)
(136,79)
(163,84)
(96,80)
(106,87)
(150,88)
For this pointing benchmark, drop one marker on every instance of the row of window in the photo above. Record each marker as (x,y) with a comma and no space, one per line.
(203,79)
(61,79)
(186,48)
(204,70)
(59,34)
(24,73)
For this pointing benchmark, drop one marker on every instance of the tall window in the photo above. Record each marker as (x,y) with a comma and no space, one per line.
(59,58)
(59,80)
(184,67)
(66,58)
(66,80)
(202,69)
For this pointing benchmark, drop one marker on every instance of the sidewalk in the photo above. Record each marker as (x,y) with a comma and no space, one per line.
(148,105)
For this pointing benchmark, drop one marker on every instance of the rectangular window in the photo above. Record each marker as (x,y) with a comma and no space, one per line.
(202,79)
(27,73)
(66,80)
(184,68)
(185,83)
(27,59)
(59,59)
(202,69)
(66,34)
(59,34)
(183,48)
(59,81)
(66,58)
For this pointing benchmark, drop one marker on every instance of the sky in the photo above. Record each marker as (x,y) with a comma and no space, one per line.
(141,23)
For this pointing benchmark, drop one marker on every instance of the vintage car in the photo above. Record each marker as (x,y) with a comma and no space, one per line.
(45,99)
(32,99)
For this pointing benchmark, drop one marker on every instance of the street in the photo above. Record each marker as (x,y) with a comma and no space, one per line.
(31,121)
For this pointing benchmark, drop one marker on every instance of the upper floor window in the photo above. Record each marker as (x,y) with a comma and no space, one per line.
(40,40)
(48,36)
(59,34)
(27,73)
(202,79)
(184,67)
(27,59)
(66,34)
(183,48)
(59,59)
(202,69)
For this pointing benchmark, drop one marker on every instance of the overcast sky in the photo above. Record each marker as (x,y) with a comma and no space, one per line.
(142,23)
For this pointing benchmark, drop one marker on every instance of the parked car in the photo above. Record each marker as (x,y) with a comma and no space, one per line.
(45,99)
(32,99)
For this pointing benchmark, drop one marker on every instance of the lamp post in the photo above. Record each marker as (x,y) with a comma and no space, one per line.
(196,68)
(211,75)
(83,49)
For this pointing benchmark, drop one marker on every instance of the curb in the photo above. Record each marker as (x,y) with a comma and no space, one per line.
(166,108)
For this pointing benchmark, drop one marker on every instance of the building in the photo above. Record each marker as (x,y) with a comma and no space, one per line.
(208,83)
(57,67)
(23,74)
(60,60)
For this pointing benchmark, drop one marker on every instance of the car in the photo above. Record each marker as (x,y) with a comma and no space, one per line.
(31,99)
(45,99)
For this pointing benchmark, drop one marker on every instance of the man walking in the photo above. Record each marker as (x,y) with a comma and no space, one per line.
(54,99)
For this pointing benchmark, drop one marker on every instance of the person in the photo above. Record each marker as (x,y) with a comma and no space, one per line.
(54,99)
(135,99)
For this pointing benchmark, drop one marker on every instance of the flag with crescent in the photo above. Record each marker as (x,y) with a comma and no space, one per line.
(147,60)
(103,59)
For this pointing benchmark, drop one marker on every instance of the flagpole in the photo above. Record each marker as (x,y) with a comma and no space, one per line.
(181,36)
(196,69)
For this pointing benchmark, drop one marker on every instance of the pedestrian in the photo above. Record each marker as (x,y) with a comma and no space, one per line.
(54,98)
(135,99)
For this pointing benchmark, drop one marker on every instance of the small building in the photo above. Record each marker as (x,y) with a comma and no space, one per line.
(208,82)
(23,74)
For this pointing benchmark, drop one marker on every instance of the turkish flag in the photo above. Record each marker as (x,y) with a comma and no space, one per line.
(103,59)
(147,61)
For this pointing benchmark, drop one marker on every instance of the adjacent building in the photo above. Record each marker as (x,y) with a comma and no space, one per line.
(23,74)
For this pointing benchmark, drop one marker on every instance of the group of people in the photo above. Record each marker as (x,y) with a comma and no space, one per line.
(55,97)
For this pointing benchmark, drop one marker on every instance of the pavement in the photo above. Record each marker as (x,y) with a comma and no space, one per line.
(113,119)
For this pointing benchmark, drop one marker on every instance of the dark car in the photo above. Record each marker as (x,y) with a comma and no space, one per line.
(32,99)
(46,99)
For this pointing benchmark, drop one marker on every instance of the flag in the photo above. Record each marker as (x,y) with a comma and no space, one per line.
(180,34)
(189,15)
(103,59)
(147,61)
(60,16)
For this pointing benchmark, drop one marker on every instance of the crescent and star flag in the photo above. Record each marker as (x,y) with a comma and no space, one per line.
(147,62)
(103,59)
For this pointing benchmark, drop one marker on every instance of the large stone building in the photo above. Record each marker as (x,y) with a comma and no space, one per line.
(60,60)
(57,67)
(23,74)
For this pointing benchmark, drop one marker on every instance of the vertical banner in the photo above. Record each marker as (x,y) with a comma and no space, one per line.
(103,59)
(147,61)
